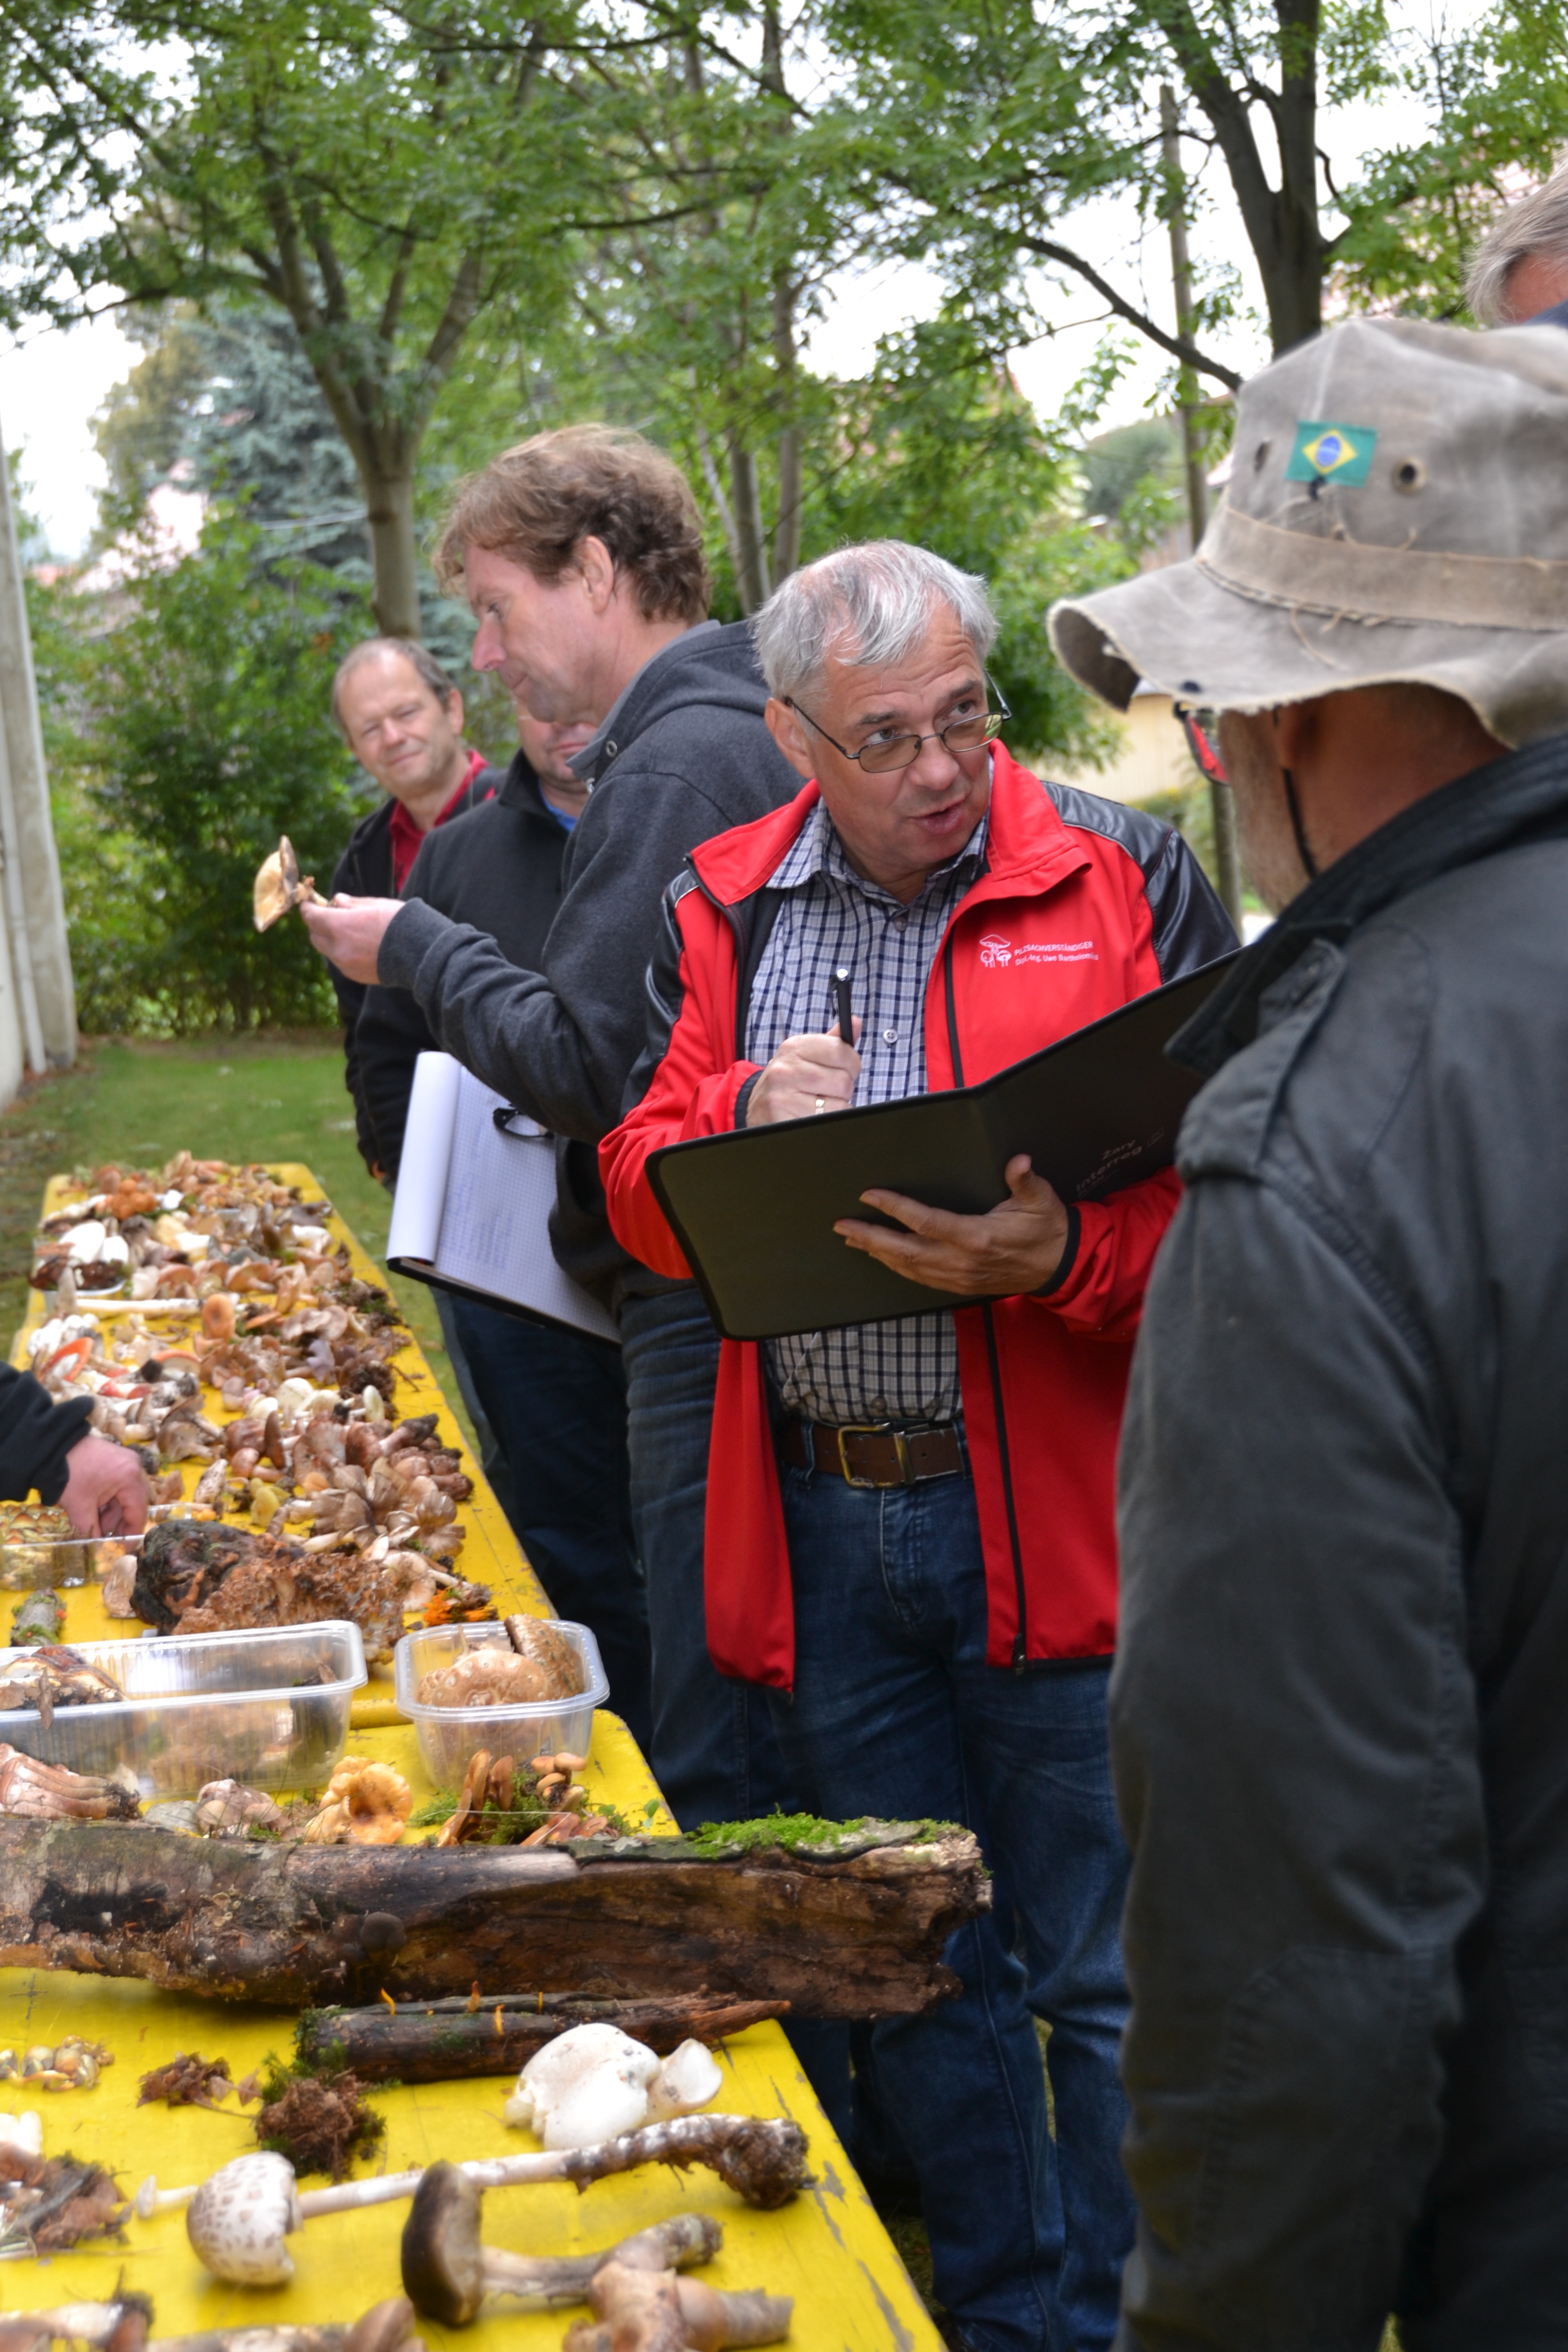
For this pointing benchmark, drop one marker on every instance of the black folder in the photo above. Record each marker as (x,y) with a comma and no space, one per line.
(753,1212)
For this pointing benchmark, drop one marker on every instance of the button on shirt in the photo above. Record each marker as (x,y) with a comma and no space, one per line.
(905,1370)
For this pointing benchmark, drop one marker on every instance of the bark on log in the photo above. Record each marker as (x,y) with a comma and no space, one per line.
(439,2042)
(852,1933)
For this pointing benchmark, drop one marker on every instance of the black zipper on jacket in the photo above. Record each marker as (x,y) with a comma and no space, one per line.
(994,1361)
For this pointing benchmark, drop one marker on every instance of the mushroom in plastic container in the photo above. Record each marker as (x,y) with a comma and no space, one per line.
(594,2082)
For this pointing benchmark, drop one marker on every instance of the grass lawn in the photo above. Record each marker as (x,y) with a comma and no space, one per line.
(136,1101)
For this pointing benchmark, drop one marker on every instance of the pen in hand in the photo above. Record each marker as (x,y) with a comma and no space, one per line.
(841,1006)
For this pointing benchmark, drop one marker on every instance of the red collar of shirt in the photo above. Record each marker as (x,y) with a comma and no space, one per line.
(405,835)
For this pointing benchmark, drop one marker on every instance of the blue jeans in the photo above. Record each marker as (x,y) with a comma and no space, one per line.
(556,1402)
(896,1713)
(714,1754)
(492,1461)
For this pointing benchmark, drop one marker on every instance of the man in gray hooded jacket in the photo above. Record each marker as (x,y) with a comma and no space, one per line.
(1338,1726)
(579,553)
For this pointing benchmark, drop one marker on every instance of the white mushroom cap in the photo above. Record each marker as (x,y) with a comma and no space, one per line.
(24,2131)
(238,2221)
(687,2079)
(590,2084)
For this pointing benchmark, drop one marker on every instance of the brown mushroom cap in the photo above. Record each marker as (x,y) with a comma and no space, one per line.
(485,1678)
(443,2261)
(531,1637)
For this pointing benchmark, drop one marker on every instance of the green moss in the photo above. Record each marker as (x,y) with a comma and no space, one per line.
(805,1833)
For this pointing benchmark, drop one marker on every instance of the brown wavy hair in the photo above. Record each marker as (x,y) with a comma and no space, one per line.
(536,503)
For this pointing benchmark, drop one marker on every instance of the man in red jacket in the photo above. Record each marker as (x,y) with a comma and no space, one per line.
(910,1533)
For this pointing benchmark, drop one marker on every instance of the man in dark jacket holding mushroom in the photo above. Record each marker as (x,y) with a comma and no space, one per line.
(1339,1730)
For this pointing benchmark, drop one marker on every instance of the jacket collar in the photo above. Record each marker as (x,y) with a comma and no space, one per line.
(1521,798)
(1026,847)
(629,713)
(520,789)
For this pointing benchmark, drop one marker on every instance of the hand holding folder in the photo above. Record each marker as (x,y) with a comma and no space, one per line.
(754,1212)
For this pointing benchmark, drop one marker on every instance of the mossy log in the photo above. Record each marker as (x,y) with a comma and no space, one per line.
(441,2041)
(858,1932)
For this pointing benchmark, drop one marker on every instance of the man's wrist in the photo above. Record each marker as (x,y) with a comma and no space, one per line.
(1069,1252)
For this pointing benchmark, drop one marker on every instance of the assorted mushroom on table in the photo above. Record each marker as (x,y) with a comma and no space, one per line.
(210,1314)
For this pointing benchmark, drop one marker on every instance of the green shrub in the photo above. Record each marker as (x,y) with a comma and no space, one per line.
(184,738)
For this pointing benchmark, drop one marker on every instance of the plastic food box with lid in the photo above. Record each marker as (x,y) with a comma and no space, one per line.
(269,1706)
(450,1736)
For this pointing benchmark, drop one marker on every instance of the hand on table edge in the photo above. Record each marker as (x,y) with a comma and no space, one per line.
(105,1493)
(1014,1249)
(349,931)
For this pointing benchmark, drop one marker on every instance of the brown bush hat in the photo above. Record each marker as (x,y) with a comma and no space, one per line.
(1397,510)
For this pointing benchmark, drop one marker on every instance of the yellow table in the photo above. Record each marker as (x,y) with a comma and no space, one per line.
(829,2249)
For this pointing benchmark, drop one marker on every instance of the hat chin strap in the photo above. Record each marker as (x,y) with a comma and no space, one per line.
(1308,862)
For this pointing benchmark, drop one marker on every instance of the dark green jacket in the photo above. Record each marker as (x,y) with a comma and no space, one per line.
(1339,1707)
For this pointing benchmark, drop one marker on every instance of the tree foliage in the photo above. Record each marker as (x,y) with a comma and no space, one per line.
(377,177)
(183,739)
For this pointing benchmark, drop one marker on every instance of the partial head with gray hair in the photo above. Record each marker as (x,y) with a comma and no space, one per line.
(868,606)
(1534,229)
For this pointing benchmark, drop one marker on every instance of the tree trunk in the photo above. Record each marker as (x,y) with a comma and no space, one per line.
(439,2042)
(853,1929)
(751,541)
(1221,805)
(389,515)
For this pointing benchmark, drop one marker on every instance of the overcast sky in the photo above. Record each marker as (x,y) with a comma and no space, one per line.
(52,383)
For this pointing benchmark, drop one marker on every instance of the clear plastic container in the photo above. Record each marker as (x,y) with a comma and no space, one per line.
(450,1736)
(208,1706)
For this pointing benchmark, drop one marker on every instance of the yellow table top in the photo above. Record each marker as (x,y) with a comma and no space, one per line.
(827,2249)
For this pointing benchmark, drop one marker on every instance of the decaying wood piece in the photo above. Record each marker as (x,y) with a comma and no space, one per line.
(437,2042)
(835,1934)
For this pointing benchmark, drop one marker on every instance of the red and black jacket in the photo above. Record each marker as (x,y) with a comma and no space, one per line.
(1084,904)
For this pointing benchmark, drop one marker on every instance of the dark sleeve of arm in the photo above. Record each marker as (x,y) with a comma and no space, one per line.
(351,998)
(392,1035)
(35,1435)
(1294,1744)
(1191,925)
(562,1043)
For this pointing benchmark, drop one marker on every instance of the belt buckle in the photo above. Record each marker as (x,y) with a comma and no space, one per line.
(874,1429)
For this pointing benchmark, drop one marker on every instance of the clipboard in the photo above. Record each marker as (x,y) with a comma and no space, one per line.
(753,1211)
(476,1186)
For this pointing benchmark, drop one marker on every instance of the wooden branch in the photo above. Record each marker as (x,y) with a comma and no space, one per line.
(445,2040)
(853,1929)
(1178,346)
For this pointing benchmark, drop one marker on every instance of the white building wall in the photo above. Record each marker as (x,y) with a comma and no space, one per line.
(37,995)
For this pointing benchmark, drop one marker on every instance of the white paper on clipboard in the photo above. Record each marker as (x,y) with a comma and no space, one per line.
(472,1207)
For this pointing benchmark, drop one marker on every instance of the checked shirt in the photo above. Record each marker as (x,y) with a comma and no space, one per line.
(907,1369)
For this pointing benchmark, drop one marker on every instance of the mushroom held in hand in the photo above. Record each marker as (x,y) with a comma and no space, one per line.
(448,2271)
(238,2221)
(278,886)
(594,2082)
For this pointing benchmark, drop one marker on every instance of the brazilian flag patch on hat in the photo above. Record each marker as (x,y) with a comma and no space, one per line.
(1331,453)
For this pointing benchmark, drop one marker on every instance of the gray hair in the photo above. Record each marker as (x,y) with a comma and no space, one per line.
(1537,223)
(420,660)
(868,604)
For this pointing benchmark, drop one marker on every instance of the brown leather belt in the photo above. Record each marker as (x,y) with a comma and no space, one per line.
(870,1456)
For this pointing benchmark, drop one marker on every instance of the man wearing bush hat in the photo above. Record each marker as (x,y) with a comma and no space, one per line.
(1339,1725)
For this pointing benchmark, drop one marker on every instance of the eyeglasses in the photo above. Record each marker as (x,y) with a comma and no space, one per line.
(902,751)
(1198,726)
